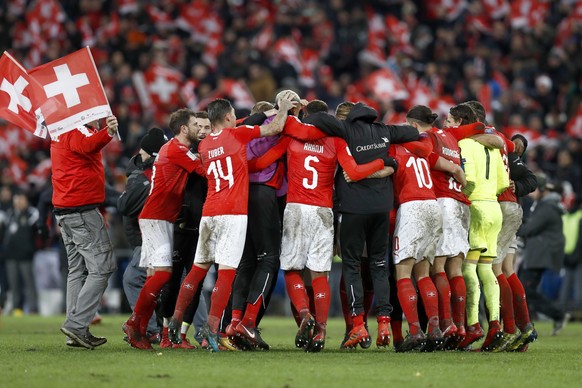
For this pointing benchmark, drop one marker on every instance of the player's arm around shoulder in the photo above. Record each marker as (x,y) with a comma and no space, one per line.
(276,126)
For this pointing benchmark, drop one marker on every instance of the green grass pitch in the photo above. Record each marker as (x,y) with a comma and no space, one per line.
(33,354)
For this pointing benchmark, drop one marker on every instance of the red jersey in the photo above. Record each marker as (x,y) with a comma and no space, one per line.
(224,156)
(169,175)
(412,179)
(312,166)
(507,195)
(445,145)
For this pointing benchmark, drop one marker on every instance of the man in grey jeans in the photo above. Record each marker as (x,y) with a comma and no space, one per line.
(78,178)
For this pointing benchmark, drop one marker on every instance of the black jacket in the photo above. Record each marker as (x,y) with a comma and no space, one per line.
(131,201)
(525,180)
(544,236)
(194,195)
(368,140)
(19,234)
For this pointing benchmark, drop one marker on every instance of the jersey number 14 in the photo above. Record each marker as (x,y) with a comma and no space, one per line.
(215,169)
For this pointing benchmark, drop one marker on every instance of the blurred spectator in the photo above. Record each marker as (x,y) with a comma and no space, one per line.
(19,251)
(571,290)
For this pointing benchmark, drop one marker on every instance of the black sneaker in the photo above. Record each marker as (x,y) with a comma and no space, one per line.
(252,335)
(317,343)
(73,344)
(413,342)
(211,337)
(81,338)
(174,331)
(434,341)
(96,341)
(305,331)
(366,342)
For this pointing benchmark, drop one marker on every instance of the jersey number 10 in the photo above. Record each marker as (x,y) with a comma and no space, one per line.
(421,171)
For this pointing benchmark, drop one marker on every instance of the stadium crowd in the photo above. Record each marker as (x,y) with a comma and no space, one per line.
(521,59)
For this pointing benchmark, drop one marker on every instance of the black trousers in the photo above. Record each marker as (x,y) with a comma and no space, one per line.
(370,231)
(257,272)
(183,258)
(531,279)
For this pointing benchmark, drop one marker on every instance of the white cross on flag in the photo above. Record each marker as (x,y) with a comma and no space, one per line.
(17,97)
(385,85)
(71,92)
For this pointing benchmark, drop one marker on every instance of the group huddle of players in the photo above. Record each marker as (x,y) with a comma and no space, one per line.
(410,209)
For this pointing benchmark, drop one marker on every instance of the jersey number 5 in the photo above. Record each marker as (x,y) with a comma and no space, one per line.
(215,169)
(313,184)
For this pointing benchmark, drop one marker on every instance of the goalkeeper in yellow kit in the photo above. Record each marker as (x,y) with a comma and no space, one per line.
(486,178)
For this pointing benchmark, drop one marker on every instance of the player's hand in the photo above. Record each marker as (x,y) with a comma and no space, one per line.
(459,175)
(112,125)
(347,178)
(512,185)
(285,105)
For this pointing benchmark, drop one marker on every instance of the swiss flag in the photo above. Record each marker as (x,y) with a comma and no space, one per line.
(385,85)
(158,86)
(71,93)
(17,97)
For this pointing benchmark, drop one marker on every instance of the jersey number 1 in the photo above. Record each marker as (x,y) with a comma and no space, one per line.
(215,169)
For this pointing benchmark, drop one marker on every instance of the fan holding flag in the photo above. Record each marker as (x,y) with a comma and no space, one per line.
(65,98)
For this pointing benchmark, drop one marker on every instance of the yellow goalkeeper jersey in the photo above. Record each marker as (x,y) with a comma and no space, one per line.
(484,167)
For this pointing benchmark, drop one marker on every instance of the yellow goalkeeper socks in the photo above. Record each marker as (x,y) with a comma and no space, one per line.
(473,292)
(490,289)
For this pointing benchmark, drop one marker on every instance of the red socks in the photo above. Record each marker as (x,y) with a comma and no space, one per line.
(408,300)
(188,290)
(396,327)
(458,299)
(430,300)
(521,311)
(506,299)
(220,297)
(251,312)
(441,282)
(296,291)
(321,299)
(148,297)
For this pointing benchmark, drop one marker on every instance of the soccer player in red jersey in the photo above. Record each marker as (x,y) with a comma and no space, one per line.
(156,221)
(417,231)
(224,215)
(308,223)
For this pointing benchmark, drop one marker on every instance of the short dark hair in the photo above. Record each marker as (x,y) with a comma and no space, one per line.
(262,107)
(201,114)
(463,113)
(179,118)
(316,106)
(478,108)
(217,109)
(421,114)
(343,110)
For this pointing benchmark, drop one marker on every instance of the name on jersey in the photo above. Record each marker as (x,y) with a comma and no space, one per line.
(313,148)
(368,147)
(449,152)
(215,152)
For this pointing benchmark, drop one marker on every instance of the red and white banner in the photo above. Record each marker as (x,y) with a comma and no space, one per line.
(18,97)
(574,125)
(71,92)
(385,85)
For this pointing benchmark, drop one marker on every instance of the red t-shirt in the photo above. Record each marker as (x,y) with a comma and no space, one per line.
(507,195)
(412,179)
(169,174)
(445,145)
(224,156)
(312,166)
